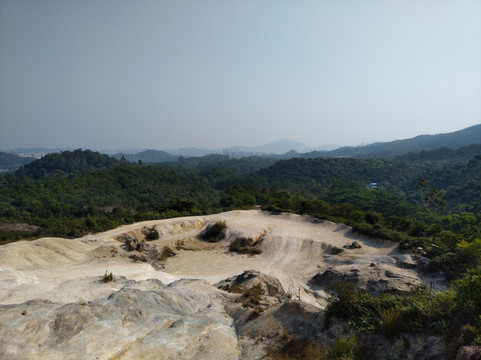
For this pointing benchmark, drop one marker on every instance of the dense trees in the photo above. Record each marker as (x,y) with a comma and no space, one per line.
(423,200)
(435,205)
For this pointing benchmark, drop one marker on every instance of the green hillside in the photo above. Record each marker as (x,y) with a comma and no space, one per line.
(454,140)
(66,162)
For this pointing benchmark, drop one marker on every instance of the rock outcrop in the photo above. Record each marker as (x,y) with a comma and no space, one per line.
(183,320)
(469,353)
(374,279)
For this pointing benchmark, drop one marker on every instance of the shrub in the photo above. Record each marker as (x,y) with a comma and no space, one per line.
(244,245)
(421,310)
(468,294)
(390,320)
(153,234)
(470,252)
(300,348)
(343,348)
(214,232)
(333,250)
(108,277)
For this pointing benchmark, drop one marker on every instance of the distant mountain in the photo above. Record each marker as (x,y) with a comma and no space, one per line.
(454,140)
(193,152)
(327,147)
(278,147)
(11,162)
(147,156)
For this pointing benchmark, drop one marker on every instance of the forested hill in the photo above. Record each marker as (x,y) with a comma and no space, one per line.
(416,202)
(454,140)
(308,173)
(66,162)
(456,185)
(463,154)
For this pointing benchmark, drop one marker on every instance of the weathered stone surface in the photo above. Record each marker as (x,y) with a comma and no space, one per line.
(469,353)
(374,279)
(135,318)
(269,285)
(183,320)
(354,245)
(331,276)
(131,243)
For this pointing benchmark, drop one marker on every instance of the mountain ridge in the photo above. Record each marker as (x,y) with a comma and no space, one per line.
(457,139)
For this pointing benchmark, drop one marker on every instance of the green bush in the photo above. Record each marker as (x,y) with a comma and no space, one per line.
(390,320)
(108,277)
(468,292)
(470,252)
(421,310)
(214,232)
(153,234)
(343,348)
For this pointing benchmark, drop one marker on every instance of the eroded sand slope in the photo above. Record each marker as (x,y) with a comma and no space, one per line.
(54,300)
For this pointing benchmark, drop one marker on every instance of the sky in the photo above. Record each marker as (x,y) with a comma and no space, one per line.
(123,74)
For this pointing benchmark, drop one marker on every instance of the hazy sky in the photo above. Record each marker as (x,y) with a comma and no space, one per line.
(118,74)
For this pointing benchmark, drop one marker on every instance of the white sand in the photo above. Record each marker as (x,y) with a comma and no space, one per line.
(293,250)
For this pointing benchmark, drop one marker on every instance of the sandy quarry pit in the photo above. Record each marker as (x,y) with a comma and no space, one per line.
(294,249)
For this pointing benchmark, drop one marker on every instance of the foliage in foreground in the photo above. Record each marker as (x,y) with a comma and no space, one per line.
(423,310)
(305,348)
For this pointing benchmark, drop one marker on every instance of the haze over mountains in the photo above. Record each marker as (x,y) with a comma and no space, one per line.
(283,148)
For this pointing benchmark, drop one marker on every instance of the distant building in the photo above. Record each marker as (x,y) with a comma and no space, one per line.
(36,155)
(371,186)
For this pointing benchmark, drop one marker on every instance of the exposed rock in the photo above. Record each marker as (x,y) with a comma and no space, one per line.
(412,261)
(130,318)
(373,279)
(269,285)
(128,324)
(257,335)
(354,245)
(148,252)
(469,353)
(6,227)
(333,250)
(332,276)
(421,251)
(131,243)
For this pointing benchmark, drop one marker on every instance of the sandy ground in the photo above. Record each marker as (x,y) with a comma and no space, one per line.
(293,250)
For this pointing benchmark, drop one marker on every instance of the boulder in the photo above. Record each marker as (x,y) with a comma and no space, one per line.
(469,353)
(354,245)
(331,276)
(269,285)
